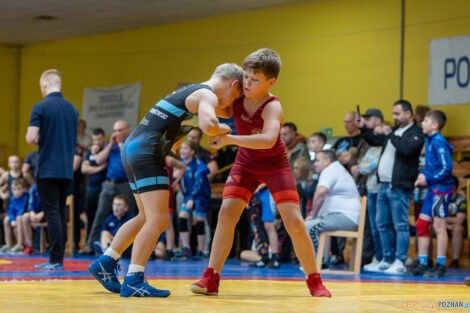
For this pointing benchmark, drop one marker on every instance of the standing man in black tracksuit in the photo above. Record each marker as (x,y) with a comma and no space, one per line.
(397,171)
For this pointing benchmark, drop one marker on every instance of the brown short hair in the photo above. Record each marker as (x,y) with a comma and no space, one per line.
(122,198)
(438,117)
(329,154)
(264,60)
(192,145)
(321,136)
(18,182)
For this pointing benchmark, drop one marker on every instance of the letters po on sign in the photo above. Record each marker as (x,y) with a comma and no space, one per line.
(449,71)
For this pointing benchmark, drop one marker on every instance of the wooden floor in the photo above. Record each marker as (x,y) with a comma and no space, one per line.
(236,296)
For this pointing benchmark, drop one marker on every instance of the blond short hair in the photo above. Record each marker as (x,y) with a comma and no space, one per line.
(53,77)
(230,71)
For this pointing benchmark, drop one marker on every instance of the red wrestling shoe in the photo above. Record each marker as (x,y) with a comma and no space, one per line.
(316,287)
(208,285)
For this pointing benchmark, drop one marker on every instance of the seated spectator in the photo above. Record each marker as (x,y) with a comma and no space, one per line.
(303,183)
(32,216)
(456,222)
(336,204)
(96,176)
(29,167)
(14,172)
(13,223)
(258,239)
(160,251)
(176,171)
(196,190)
(116,182)
(268,208)
(195,135)
(316,142)
(354,135)
(295,143)
(112,224)
(83,139)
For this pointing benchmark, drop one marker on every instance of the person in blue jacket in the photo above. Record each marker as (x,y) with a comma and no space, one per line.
(197,192)
(437,175)
(13,223)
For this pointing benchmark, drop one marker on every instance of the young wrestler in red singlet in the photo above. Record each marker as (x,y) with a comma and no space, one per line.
(262,158)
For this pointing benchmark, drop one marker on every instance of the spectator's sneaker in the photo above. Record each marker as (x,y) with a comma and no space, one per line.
(337,260)
(383,266)
(4,249)
(207,255)
(417,270)
(274,263)
(396,268)
(467,281)
(410,262)
(316,287)
(208,285)
(259,264)
(437,271)
(372,265)
(28,250)
(325,265)
(15,249)
(454,264)
(136,286)
(86,251)
(50,266)
(184,254)
(199,255)
(169,255)
(98,248)
(105,269)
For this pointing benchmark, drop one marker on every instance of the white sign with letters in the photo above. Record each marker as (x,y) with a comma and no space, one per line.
(104,106)
(449,71)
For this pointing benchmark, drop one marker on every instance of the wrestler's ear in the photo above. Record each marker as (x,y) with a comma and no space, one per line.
(272,81)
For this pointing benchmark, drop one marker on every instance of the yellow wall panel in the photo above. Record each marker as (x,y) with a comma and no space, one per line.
(335,54)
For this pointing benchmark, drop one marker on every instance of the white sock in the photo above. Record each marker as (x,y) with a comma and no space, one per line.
(113,254)
(134,268)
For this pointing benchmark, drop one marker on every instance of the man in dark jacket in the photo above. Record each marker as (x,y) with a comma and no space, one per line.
(397,171)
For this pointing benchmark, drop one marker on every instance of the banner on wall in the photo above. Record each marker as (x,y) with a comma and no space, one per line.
(104,106)
(449,71)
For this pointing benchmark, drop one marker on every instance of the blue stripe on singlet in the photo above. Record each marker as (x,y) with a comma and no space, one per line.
(159,180)
(167,106)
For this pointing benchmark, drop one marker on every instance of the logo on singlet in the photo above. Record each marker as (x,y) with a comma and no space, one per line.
(159,113)
(245,118)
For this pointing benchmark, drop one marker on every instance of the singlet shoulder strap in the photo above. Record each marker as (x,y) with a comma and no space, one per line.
(261,108)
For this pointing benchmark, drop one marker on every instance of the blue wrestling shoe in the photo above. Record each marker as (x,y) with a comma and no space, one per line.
(50,266)
(105,269)
(136,286)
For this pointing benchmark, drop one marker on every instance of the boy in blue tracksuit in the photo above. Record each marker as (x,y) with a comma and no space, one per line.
(197,192)
(13,220)
(437,175)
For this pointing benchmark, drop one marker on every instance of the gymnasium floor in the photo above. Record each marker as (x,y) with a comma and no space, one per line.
(243,289)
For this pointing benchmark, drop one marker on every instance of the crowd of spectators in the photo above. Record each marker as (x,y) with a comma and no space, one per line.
(376,159)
